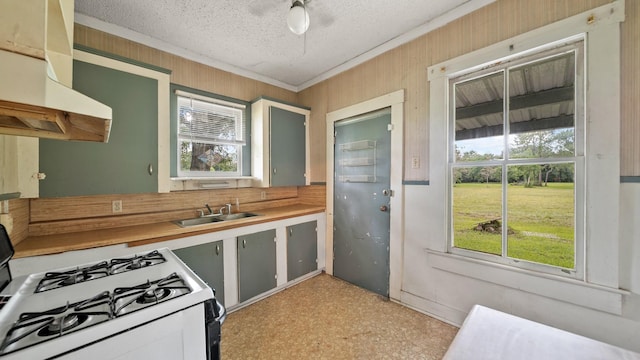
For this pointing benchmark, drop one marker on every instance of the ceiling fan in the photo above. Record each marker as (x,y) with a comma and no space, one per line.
(298,17)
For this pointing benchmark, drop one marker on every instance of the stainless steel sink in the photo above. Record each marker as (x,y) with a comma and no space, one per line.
(197,221)
(236,216)
(212,219)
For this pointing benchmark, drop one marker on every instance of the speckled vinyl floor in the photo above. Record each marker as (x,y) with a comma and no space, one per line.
(327,318)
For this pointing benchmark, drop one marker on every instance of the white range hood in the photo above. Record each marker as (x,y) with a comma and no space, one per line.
(33,103)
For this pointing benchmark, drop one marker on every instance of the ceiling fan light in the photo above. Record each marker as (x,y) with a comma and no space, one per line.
(298,18)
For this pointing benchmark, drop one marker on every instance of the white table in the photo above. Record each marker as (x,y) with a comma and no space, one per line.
(491,334)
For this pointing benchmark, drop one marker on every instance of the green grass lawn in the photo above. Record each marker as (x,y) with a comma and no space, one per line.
(542,220)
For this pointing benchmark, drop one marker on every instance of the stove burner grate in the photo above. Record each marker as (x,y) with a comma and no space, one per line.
(129,299)
(153,296)
(117,266)
(35,327)
(62,324)
(54,280)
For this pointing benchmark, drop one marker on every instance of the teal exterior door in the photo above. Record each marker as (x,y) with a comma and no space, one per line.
(361,201)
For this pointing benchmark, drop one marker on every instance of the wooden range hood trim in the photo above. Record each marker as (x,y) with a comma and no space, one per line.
(33,103)
(36,121)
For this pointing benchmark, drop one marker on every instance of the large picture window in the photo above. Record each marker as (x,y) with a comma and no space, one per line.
(517,160)
(211,135)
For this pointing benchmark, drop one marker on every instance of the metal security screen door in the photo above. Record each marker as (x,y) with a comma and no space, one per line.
(361,200)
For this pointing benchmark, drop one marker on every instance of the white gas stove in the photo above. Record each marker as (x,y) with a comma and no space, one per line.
(148,305)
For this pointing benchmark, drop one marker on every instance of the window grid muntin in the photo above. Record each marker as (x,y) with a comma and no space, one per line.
(238,141)
(578,160)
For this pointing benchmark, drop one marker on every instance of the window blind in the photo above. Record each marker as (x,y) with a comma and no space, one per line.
(210,121)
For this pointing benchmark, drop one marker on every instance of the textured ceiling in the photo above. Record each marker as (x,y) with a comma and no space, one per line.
(251,38)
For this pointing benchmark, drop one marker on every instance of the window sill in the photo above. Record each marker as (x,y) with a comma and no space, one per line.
(211,178)
(554,287)
(209,183)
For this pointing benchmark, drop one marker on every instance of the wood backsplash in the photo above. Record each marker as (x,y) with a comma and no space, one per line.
(17,220)
(71,214)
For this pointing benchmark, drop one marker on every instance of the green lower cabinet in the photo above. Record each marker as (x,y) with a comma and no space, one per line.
(302,249)
(207,262)
(256,264)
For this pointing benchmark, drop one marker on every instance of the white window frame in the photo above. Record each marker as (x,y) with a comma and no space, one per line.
(239,142)
(601,29)
(576,45)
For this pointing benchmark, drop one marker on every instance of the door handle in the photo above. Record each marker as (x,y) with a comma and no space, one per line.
(384,208)
(217,249)
(244,243)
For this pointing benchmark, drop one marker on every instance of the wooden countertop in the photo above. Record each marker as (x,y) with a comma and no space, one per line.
(148,233)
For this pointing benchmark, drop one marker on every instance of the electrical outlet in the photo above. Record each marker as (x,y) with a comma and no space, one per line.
(263,195)
(415,162)
(116,206)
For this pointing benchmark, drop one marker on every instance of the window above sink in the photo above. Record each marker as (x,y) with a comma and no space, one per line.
(208,140)
(211,136)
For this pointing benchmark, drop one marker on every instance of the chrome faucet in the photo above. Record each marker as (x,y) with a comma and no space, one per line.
(211,213)
(201,212)
(226,206)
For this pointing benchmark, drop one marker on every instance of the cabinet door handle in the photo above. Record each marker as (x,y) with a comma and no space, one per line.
(244,243)
(150,169)
(290,231)
(217,249)
(274,170)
